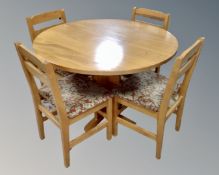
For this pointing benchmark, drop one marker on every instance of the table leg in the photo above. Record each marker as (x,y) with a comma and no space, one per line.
(98,118)
(93,122)
(108,82)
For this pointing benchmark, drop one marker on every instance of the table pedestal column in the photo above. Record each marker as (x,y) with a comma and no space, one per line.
(108,82)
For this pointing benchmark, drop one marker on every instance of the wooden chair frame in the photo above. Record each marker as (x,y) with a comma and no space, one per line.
(152,14)
(35,66)
(44,17)
(183,67)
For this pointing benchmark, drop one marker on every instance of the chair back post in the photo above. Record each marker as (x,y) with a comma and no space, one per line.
(166,22)
(168,91)
(56,92)
(32,84)
(29,69)
(184,66)
(30,28)
(184,87)
(153,14)
(36,66)
(133,16)
(44,17)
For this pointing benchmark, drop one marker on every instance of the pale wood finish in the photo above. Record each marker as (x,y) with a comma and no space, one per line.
(106,47)
(136,128)
(127,119)
(152,14)
(183,68)
(37,67)
(44,17)
(94,122)
(89,133)
(107,81)
(79,46)
(49,115)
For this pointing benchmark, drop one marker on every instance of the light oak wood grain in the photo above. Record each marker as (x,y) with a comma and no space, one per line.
(164,18)
(183,68)
(106,47)
(153,14)
(36,67)
(42,18)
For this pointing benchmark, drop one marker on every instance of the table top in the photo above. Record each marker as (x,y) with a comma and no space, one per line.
(106,46)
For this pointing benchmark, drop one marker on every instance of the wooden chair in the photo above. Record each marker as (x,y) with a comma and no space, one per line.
(64,101)
(152,14)
(157,96)
(44,17)
(164,18)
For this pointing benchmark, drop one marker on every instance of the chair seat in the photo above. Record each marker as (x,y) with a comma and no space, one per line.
(145,89)
(78,92)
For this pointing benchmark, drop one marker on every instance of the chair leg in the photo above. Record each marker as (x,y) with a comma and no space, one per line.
(115,113)
(65,145)
(40,124)
(179,114)
(109,115)
(159,140)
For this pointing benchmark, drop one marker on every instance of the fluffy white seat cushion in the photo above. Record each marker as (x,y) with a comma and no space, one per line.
(78,92)
(145,89)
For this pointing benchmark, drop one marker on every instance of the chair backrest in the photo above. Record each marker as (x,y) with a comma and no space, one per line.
(44,17)
(35,67)
(152,14)
(182,70)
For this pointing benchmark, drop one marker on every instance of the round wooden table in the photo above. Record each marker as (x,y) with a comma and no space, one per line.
(106,47)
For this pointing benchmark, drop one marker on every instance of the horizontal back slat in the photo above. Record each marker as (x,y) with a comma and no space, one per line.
(150,24)
(36,72)
(44,17)
(37,32)
(184,66)
(151,14)
(47,16)
(191,51)
(189,56)
(29,56)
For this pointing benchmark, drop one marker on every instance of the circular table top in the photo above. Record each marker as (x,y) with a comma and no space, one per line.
(106,46)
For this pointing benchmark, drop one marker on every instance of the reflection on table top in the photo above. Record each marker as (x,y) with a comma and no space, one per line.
(106,47)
